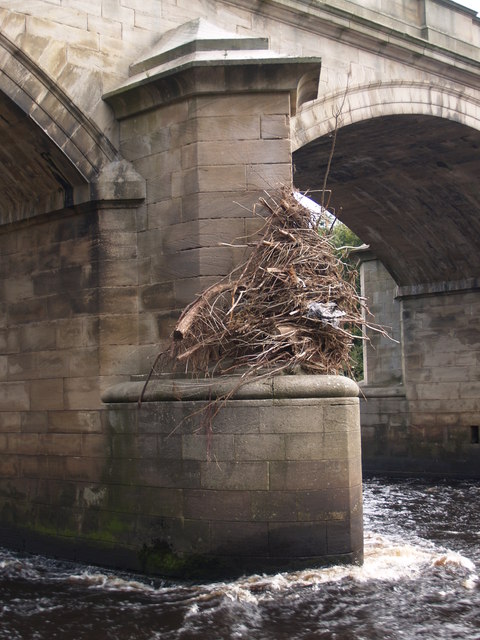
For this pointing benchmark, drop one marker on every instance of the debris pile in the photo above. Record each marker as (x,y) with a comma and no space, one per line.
(291,307)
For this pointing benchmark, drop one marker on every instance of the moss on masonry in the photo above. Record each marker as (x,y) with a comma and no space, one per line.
(159,559)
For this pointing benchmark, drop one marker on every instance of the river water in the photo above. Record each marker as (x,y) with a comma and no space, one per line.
(419,580)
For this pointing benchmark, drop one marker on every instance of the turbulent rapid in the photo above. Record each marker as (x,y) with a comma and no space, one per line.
(419,580)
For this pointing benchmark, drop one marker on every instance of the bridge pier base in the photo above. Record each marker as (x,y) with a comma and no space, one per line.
(272,484)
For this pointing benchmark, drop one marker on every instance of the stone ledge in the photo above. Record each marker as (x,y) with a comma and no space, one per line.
(275,387)
(397,391)
(435,288)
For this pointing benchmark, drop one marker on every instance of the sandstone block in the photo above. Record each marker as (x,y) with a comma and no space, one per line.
(271,506)
(296,475)
(259,447)
(234,475)
(249,539)
(229,506)
(14,396)
(300,538)
(211,447)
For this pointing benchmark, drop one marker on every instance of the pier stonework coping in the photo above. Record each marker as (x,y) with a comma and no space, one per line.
(273,483)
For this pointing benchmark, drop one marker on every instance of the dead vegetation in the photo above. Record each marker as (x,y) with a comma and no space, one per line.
(291,307)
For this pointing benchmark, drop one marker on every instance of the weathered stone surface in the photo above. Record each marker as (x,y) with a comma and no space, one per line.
(424,424)
(110,224)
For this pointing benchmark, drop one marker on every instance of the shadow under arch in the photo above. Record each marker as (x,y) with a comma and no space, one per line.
(407,184)
(52,155)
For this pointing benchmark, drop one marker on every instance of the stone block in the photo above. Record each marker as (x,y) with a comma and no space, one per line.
(274,127)
(77,252)
(19,288)
(229,506)
(191,263)
(46,394)
(103,26)
(151,501)
(10,421)
(187,289)
(244,418)
(296,475)
(14,396)
(208,447)
(34,422)
(157,296)
(110,250)
(9,465)
(149,418)
(215,178)
(294,419)
(183,536)
(163,214)
(248,105)
(51,364)
(142,145)
(342,415)
(94,445)
(247,539)
(22,366)
(120,329)
(83,362)
(82,393)
(23,443)
(33,466)
(63,280)
(58,31)
(120,273)
(268,176)
(60,444)
(58,307)
(323,504)
(74,422)
(213,205)
(259,447)
(27,311)
(217,128)
(297,539)
(235,152)
(115,360)
(234,475)
(37,337)
(159,189)
(169,447)
(119,299)
(273,506)
(340,538)
(77,468)
(317,446)
(176,474)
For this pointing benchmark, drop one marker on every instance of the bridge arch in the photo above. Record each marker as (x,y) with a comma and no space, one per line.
(377,99)
(403,176)
(53,155)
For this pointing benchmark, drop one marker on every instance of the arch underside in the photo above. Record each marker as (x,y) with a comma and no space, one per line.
(409,186)
(35,174)
(53,155)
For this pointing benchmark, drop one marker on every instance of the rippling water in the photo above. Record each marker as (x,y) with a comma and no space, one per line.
(419,580)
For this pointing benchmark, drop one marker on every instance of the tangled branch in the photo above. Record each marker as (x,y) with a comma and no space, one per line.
(292,306)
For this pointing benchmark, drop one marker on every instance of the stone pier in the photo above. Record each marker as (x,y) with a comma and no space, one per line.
(271,483)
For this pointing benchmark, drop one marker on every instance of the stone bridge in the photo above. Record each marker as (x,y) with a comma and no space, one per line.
(137,136)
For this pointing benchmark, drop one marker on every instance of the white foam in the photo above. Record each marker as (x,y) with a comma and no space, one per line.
(109,582)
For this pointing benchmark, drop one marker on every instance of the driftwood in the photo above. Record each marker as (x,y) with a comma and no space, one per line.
(292,306)
(190,314)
